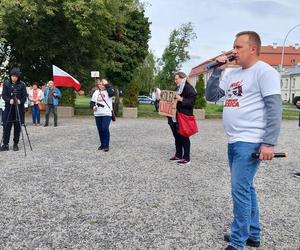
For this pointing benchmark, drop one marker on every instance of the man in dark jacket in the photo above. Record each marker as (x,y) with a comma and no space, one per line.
(14,95)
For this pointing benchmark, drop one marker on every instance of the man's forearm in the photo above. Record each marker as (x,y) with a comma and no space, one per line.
(213,92)
(273,119)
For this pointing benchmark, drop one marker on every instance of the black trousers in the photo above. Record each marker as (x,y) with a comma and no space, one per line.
(156,104)
(182,144)
(10,118)
(49,108)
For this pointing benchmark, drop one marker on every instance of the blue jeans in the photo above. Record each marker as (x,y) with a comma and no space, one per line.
(35,110)
(245,208)
(102,123)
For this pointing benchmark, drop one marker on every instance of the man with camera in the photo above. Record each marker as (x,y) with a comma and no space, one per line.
(14,95)
(51,99)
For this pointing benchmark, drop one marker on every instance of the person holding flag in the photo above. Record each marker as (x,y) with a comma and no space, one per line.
(52,93)
(51,99)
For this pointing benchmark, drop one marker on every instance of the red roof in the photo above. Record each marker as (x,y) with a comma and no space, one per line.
(268,54)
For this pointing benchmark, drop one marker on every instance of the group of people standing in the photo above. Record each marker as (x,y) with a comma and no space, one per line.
(14,96)
(50,97)
(251,119)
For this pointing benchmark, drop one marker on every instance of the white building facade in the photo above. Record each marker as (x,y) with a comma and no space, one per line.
(290,84)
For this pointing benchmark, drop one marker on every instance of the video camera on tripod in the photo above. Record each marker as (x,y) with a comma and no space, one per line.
(17,118)
(15,92)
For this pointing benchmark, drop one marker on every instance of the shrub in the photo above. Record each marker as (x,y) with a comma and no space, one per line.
(68,97)
(131,95)
(200,100)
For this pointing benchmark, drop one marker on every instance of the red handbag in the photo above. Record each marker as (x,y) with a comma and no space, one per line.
(187,125)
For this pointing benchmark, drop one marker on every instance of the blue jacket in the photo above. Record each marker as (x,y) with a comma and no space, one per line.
(55,99)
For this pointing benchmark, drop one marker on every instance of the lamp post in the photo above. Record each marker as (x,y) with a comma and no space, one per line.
(282,53)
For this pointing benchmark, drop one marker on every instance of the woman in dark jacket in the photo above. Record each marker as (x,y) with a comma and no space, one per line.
(186,96)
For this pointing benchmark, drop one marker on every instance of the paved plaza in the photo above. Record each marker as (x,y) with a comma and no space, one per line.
(65,194)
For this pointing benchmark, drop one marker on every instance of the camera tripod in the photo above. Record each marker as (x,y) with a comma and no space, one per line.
(18,121)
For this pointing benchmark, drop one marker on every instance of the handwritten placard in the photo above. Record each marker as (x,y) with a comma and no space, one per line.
(167,104)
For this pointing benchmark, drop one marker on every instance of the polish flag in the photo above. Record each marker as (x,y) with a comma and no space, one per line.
(63,79)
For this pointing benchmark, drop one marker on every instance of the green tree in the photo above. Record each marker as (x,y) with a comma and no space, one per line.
(128,48)
(175,54)
(131,95)
(76,35)
(146,73)
(200,99)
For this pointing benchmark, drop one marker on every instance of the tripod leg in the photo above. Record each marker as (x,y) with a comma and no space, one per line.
(23,139)
(27,136)
(20,123)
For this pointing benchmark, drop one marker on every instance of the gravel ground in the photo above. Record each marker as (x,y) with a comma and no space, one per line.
(68,195)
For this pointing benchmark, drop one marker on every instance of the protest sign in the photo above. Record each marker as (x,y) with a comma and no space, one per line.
(167,103)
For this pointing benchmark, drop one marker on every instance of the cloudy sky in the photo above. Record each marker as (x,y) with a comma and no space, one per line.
(216,22)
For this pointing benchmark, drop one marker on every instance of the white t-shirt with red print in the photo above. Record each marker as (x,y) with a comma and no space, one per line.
(99,98)
(244,108)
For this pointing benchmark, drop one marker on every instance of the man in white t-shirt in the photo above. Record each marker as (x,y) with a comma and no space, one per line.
(251,119)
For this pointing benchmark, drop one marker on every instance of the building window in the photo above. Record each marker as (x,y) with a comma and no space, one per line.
(281,83)
(286,83)
(294,82)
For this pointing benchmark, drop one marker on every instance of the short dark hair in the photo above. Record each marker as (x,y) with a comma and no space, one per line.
(180,74)
(254,38)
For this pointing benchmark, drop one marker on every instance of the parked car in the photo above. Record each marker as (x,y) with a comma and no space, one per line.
(145,99)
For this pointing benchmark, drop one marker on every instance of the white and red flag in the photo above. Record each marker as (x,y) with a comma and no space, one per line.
(63,79)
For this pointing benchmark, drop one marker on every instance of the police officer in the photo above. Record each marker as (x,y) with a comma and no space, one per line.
(14,95)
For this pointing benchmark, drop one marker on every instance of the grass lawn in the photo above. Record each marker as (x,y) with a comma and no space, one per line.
(82,107)
(290,114)
(146,110)
(213,111)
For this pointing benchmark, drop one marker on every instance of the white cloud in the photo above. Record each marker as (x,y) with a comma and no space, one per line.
(217,22)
